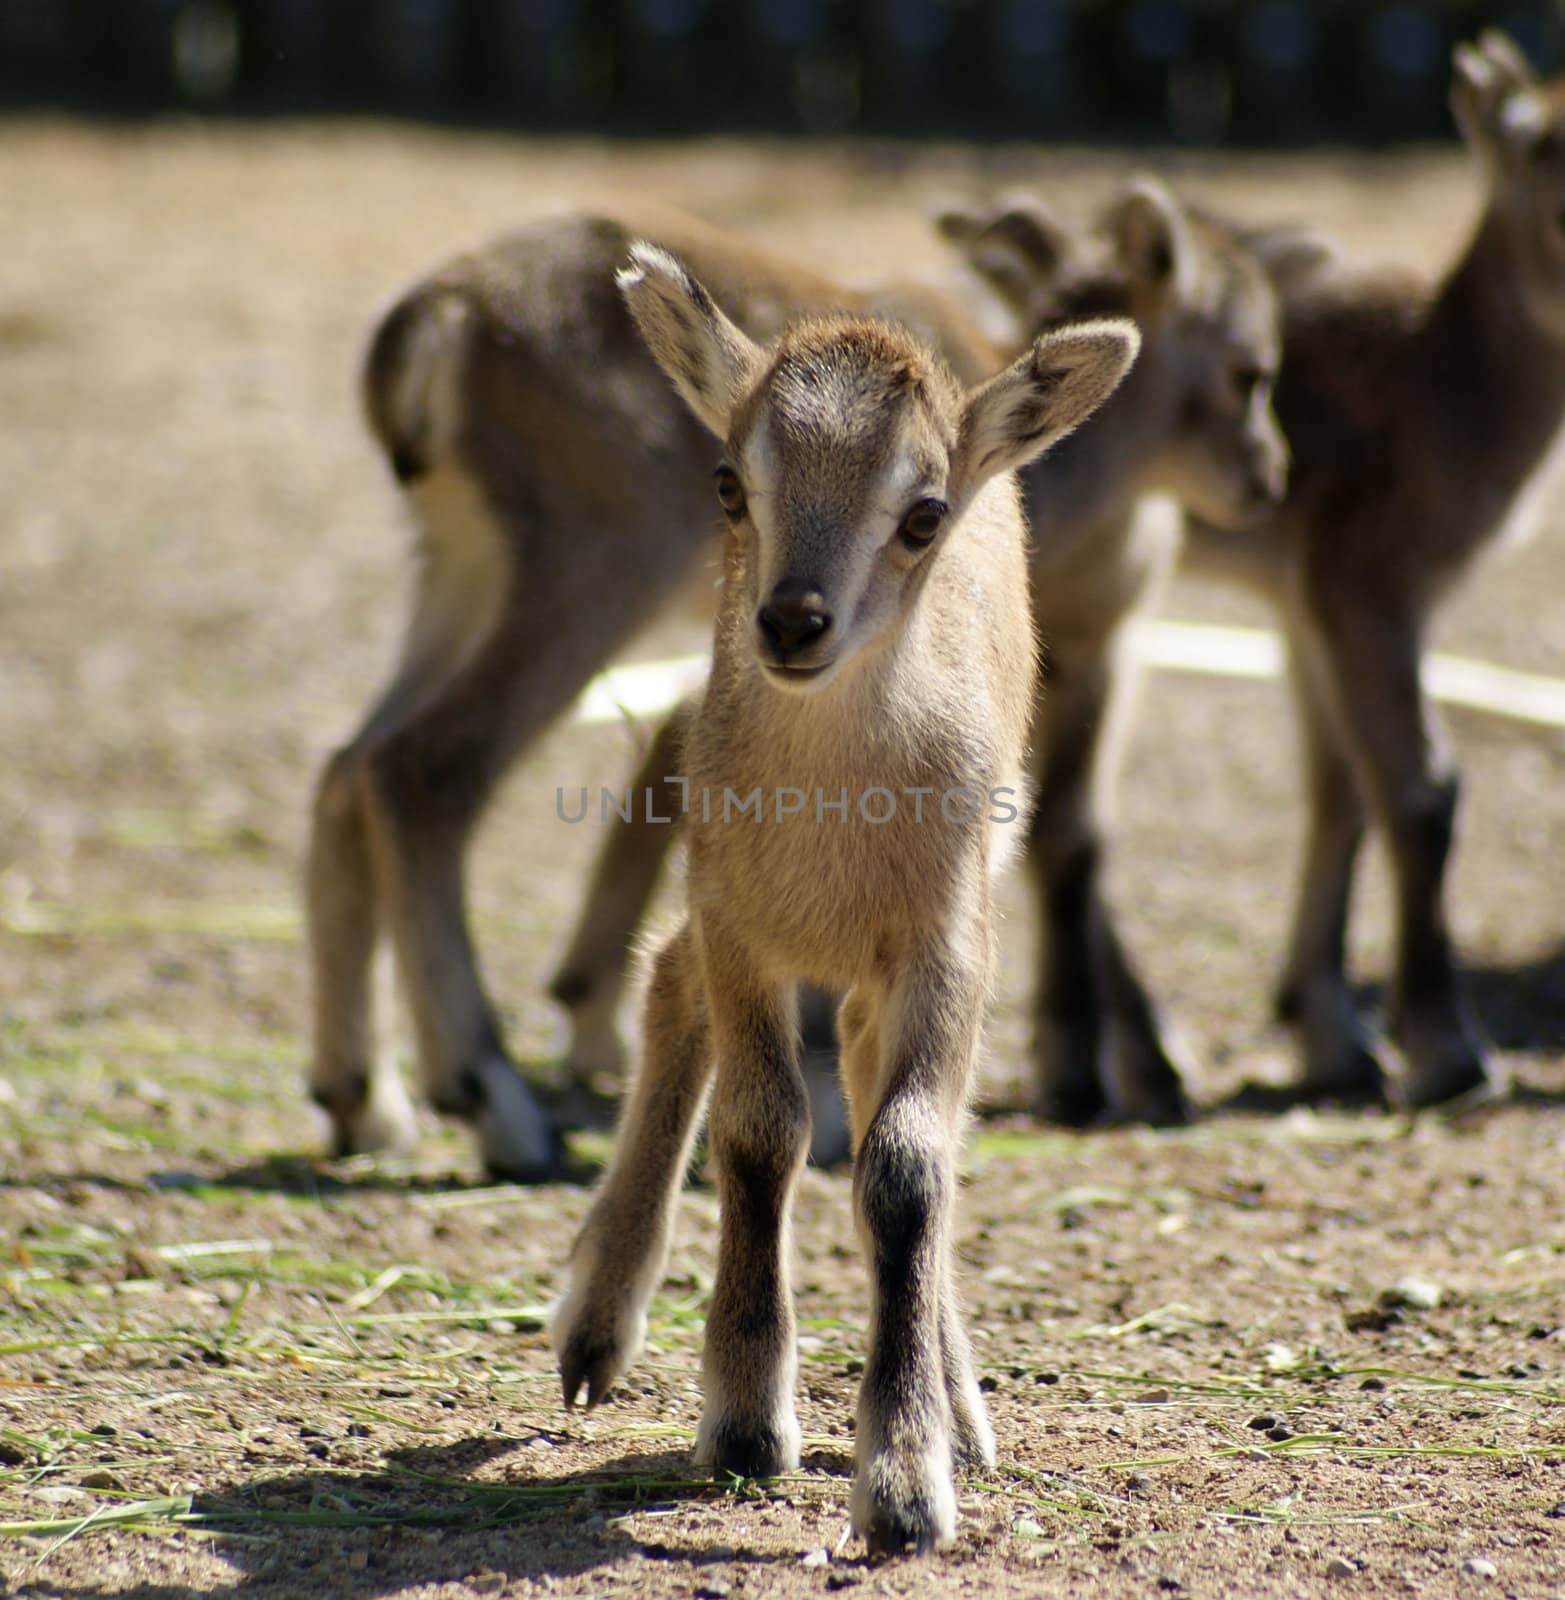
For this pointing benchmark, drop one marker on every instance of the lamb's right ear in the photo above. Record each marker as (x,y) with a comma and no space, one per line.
(1152,240)
(708,360)
(1041,397)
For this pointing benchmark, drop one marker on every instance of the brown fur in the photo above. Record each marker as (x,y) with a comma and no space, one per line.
(502,387)
(1417,416)
(918,674)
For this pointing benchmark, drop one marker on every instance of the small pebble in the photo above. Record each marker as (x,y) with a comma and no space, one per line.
(483,1582)
(1138,1483)
(714,1589)
(1373,1383)
(1341,1567)
(818,1558)
(1556,1510)
(1412,1294)
(1280,1432)
(1166,1580)
(102,1479)
(1026,1528)
(1478,1567)
(58,1494)
(1264,1421)
(842,1580)
(358,1560)
(1154,1397)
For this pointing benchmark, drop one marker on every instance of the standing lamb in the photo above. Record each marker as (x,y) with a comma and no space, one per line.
(872,683)
(1418,418)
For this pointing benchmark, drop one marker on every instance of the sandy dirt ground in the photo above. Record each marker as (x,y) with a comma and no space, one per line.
(1259,1357)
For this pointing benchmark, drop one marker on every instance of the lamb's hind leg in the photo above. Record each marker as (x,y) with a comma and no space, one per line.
(618,1256)
(428,778)
(1099,1045)
(1374,649)
(759,1132)
(1314,995)
(591,977)
(904,1188)
(462,582)
(357,1085)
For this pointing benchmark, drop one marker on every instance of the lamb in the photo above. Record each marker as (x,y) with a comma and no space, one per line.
(873,652)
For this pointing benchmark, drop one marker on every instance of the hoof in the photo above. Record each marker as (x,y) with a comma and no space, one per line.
(600,1324)
(589,1357)
(1459,1079)
(517,1139)
(1351,1072)
(1071,1105)
(380,1119)
(903,1512)
(1146,1075)
(597,1053)
(580,1103)
(1340,1060)
(1070,1089)
(1168,1109)
(748,1450)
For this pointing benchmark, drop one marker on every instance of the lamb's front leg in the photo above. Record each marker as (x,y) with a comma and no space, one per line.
(618,1256)
(759,1132)
(919,1405)
(863,1067)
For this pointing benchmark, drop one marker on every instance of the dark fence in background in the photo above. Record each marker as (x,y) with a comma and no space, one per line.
(1264,72)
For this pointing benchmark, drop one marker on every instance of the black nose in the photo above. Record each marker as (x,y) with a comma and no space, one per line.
(795,615)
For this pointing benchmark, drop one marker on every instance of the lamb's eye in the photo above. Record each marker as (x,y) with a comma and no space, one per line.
(922,523)
(730,492)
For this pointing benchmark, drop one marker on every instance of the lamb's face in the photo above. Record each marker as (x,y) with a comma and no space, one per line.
(838,483)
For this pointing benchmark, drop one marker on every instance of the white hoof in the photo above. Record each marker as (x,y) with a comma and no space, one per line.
(597,1055)
(383,1123)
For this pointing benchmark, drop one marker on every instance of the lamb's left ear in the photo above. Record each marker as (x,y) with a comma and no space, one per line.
(1292,253)
(709,361)
(1040,398)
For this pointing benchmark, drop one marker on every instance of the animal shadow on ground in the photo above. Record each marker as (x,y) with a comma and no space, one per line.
(1520,1007)
(314,1175)
(422,1518)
